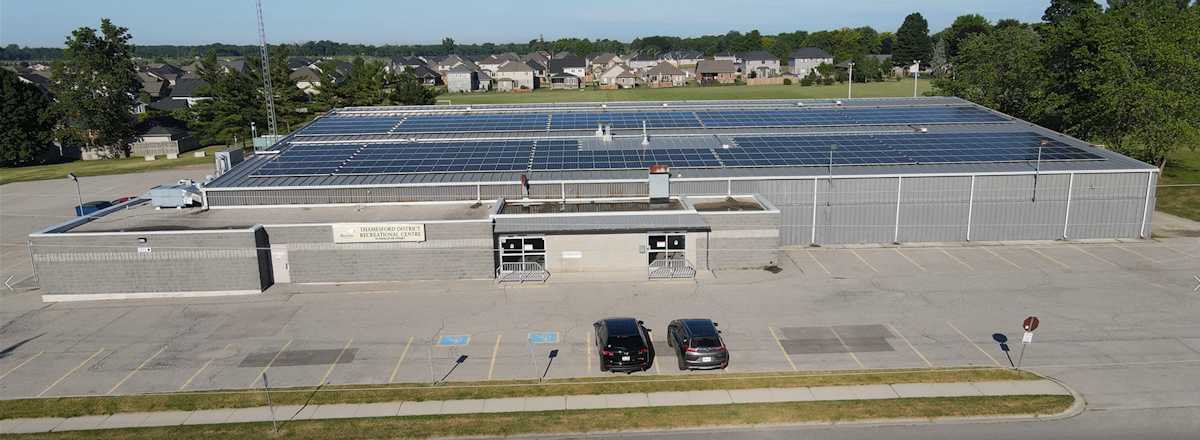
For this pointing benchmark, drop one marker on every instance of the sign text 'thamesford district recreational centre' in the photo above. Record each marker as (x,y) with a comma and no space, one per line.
(378,232)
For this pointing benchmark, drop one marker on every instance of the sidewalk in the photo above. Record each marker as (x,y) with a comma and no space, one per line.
(516,404)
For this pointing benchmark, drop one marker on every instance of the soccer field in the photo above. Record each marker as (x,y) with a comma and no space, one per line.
(868,90)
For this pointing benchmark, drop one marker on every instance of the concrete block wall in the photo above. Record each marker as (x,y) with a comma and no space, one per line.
(739,240)
(451,250)
(110,265)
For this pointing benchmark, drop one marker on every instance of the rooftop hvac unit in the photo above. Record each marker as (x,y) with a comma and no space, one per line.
(660,184)
(227,159)
(180,195)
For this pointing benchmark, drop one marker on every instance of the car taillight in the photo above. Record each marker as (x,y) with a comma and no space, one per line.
(644,350)
(693,350)
(606,353)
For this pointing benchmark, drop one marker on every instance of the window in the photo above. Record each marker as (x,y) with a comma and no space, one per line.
(667,246)
(523,250)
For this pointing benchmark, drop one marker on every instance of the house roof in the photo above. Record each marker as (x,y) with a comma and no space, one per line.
(187,87)
(564,76)
(168,104)
(810,53)
(535,65)
(603,58)
(298,62)
(305,74)
(422,71)
(664,69)
(238,65)
(725,54)
(514,66)
(715,66)
(570,61)
(757,55)
(162,125)
(644,57)
(563,54)
(461,68)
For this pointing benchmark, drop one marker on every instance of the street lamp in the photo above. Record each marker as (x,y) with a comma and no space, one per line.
(78,195)
(1037,169)
(832,148)
(253,130)
(916,75)
(850,87)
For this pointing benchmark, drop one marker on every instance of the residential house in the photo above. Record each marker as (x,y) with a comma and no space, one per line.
(167,104)
(603,62)
(39,78)
(716,71)
(728,56)
(608,79)
(564,81)
(401,63)
(665,74)
(426,75)
(806,59)
(162,136)
(153,86)
(539,69)
(294,63)
(759,64)
(234,65)
(642,61)
(571,65)
(521,74)
(447,63)
(187,89)
(505,85)
(165,72)
(460,78)
(538,57)
(491,63)
(682,57)
(485,80)
(307,79)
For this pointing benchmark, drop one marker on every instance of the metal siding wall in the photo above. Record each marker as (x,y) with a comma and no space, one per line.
(706,188)
(1107,205)
(1147,228)
(1005,208)
(493,192)
(794,200)
(616,189)
(856,210)
(545,191)
(934,208)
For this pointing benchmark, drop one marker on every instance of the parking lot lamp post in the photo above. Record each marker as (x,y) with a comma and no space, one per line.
(78,195)
(850,84)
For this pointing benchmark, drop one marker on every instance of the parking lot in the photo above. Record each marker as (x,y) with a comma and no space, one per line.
(829,309)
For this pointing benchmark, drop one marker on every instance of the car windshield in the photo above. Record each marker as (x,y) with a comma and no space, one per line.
(706,342)
(630,342)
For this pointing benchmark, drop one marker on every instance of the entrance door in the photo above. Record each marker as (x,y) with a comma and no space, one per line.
(522,249)
(667,246)
(280,270)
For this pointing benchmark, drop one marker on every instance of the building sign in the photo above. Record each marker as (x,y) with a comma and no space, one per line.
(378,232)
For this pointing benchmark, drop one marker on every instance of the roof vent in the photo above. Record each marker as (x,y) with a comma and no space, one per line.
(725,146)
(660,183)
(799,104)
(838,102)
(922,130)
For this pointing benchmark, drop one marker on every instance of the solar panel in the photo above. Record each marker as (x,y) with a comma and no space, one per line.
(473,123)
(349,125)
(624,159)
(432,157)
(590,120)
(845,116)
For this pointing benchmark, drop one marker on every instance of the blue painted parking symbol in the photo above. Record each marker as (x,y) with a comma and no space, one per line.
(453,340)
(543,337)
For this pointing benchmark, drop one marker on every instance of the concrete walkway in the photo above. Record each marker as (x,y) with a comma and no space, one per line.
(516,404)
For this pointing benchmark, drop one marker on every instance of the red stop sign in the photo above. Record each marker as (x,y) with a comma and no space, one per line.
(1030,324)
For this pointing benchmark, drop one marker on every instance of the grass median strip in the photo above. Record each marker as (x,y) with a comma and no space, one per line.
(186,401)
(559,422)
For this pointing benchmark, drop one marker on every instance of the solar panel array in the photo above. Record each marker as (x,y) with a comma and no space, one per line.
(575,120)
(746,151)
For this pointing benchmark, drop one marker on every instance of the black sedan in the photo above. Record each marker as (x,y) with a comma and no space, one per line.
(698,344)
(623,345)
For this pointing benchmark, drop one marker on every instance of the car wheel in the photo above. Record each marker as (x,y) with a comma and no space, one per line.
(682,365)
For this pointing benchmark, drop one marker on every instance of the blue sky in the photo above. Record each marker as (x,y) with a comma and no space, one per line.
(47,22)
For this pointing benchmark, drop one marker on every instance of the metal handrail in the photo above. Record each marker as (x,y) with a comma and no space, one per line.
(521,271)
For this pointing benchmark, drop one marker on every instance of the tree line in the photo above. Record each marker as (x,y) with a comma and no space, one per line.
(1126,76)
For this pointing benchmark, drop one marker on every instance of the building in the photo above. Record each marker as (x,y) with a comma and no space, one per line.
(163,137)
(570,64)
(760,64)
(665,74)
(806,59)
(532,192)
(565,81)
(307,79)
(610,75)
(682,57)
(716,72)
(153,86)
(730,57)
(462,79)
(188,90)
(522,76)
(642,61)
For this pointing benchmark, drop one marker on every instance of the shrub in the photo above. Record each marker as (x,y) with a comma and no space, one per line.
(787,81)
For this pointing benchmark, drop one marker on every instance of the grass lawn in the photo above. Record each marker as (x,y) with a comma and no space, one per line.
(1183,168)
(83,168)
(77,406)
(558,422)
(869,90)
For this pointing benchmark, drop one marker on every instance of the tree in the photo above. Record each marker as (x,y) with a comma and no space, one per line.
(95,83)
(1002,70)
(448,46)
(964,26)
(26,122)
(407,90)
(1008,22)
(912,41)
(1061,10)
(234,105)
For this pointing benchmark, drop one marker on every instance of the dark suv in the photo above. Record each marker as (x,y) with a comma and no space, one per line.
(698,344)
(624,345)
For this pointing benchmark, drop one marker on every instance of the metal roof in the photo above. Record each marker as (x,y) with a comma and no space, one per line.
(240,176)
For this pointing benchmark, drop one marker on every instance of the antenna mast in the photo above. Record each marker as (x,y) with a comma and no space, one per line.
(266,74)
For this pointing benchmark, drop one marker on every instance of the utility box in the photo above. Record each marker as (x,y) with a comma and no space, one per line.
(175,196)
(227,159)
(660,184)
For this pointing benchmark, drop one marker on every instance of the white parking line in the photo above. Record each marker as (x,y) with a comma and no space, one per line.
(864,261)
(73,370)
(1002,258)
(1064,265)
(202,367)
(264,370)
(495,352)
(26,361)
(910,260)
(1095,256)
(960,261)
(335,362)
(910,345)
(782,350)
(135,370)
(847,347)
(403,354)
(1135,253)
(587,350)
(822,266)
(977,347)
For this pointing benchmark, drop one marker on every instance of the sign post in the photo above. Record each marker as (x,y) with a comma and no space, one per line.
(1030,324)
(267,389)
(553,354)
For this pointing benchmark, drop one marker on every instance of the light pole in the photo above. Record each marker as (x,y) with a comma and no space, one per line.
(78,195)
(832,148)
(253,130)
(1037,169)
(916,75)
(850,86)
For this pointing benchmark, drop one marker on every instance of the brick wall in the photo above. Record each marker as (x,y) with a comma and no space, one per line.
(460,250)
(179,262)
(739,240)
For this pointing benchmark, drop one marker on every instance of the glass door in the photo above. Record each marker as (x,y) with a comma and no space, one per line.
(522,249)
(667,246)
